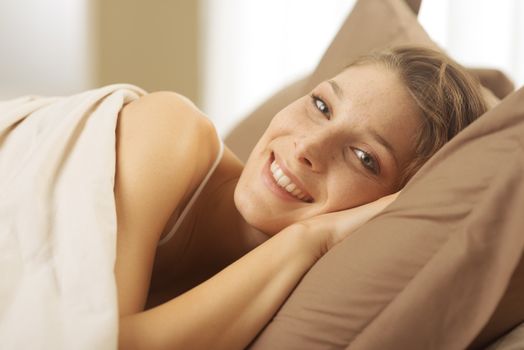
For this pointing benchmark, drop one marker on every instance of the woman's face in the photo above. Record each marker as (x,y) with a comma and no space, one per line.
(342,146)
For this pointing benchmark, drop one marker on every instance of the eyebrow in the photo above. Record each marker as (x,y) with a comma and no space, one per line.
(336,88)
(384,143)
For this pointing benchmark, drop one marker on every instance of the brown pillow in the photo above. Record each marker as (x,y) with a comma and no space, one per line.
(431,270)
(513,341)
(495,80)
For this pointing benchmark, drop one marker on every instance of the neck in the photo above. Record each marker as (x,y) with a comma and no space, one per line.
(227,235)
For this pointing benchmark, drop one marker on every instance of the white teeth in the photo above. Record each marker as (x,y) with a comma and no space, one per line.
(291,187)
(285,182)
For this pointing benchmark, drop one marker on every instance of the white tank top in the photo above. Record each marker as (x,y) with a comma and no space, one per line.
(177,224)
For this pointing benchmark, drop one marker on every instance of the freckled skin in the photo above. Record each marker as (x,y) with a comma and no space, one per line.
(324,151)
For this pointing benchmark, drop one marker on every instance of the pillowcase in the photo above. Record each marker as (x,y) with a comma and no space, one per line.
(495,80)
(440,268)
(513,341)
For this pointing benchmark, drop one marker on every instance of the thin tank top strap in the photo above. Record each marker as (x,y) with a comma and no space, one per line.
(177,224)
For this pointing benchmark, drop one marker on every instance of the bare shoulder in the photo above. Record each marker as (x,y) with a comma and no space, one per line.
(161,137)
(164,148)
(170,125)
(167,107)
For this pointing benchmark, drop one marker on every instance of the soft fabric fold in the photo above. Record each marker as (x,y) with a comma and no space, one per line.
(58,220)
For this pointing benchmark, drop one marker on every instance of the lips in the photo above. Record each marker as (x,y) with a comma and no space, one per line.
(285,183)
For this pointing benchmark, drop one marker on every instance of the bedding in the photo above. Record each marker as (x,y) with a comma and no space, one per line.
(441,268)
(58,220)
(513,341)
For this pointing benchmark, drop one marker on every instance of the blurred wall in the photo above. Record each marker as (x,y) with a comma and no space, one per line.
(44,47)
(60,47)
(251,48)
(153,44)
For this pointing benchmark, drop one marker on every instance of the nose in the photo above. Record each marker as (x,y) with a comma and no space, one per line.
(308,151)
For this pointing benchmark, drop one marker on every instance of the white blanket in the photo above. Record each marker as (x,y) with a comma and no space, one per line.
(58,220)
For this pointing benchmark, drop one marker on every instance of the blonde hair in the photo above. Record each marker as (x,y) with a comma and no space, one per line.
(448,97)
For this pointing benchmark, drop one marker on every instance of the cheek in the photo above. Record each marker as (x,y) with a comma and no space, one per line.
(350,190)
(289,119)
(285,123)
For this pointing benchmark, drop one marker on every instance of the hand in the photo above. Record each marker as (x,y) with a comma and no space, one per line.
(326,230)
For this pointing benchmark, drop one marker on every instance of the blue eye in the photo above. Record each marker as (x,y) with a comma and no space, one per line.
(367,160)
(321,106)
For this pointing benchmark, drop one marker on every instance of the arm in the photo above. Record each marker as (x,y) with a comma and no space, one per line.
(228,310)
(164,148)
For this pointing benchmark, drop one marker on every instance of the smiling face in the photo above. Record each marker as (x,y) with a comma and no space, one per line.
(342,146)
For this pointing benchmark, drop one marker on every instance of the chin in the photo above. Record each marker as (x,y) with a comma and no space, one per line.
(253,215)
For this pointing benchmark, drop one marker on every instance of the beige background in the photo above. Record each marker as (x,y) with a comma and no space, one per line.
(61,47)
(153,45)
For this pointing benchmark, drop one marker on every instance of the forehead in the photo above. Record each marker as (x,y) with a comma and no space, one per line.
(373,91)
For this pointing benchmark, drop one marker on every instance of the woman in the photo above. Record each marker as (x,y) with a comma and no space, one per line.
(356,139)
